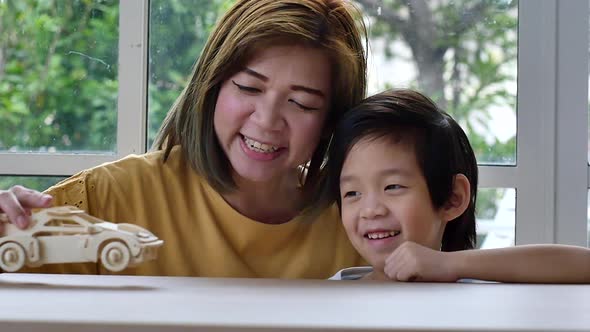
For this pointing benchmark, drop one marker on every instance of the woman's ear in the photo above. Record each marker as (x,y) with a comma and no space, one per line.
(459,200)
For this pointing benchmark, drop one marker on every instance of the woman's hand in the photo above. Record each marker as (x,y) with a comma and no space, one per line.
(414,262)
(17,203)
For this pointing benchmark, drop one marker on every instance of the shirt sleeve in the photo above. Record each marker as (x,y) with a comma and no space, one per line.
(71,191)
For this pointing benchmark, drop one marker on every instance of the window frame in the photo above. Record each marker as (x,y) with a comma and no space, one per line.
(551,176)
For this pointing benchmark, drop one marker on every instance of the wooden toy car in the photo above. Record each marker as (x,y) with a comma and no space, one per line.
(66,234)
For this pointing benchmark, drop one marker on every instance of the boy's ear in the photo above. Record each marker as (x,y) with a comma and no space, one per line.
(459,199)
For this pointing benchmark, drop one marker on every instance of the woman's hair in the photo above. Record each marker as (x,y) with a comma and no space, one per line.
(329,25)
(442,150)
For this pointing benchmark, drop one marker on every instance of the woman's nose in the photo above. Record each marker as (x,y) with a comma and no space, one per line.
(268,116)
(373,208)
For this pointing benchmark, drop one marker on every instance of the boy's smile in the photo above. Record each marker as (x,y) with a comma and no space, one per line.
(385,199)
(382,239)
(380,234)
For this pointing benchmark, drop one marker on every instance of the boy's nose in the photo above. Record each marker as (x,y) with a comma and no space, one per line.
(373,208)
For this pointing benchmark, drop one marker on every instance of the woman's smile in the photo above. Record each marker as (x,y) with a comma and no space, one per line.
(270,114)
(260,151)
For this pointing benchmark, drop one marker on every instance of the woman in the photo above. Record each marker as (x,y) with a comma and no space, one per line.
(239,153)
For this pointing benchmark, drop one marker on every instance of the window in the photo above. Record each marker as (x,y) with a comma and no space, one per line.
(62,223)
(33,182)
(495,214)
(463,55)
(529,135)
(60,84)
(58,87)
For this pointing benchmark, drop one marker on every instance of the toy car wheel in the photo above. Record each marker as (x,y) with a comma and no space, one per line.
(115,256)
(12,257)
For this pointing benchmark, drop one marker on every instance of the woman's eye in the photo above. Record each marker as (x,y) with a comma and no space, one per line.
(351,194)
(244,88)
(393,187)
(303,107)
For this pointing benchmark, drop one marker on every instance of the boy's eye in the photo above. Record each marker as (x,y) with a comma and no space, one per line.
(303,107)
(244,88)
(393,187)
(351,194)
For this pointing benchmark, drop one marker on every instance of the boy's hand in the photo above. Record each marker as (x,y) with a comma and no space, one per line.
(414,262)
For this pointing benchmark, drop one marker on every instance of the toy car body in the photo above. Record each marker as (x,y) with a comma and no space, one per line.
(66,234)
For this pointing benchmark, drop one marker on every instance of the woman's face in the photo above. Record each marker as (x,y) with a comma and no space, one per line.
(270,114)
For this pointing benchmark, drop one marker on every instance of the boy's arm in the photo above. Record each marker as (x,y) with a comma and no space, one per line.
(525,263)
(539,263)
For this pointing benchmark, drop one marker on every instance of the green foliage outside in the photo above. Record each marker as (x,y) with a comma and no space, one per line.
(58,75)
(37,182)
(464,52)
(58,67)
(178,31)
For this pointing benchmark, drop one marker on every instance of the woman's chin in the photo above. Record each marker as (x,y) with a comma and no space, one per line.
(252,174)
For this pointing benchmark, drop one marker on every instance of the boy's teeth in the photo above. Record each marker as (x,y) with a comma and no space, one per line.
(382,235)
(259,147)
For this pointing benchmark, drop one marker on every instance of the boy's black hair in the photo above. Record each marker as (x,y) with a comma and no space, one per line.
(441,146)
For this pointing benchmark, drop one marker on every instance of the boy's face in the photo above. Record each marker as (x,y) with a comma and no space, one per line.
(385,200)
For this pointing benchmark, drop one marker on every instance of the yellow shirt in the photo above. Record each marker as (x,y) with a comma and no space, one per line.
(203,235)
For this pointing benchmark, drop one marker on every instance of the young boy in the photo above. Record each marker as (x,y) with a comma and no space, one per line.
(405,179)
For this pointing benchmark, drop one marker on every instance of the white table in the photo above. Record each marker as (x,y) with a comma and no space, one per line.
(32,302)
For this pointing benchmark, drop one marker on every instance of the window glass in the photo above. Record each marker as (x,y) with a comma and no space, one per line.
(178,31)
(58,75)
(39,183)
(588,228)
(460,53)
(495,214)
(69,223)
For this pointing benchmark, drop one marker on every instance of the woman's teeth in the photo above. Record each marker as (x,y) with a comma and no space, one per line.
(259,147)
(382,235)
